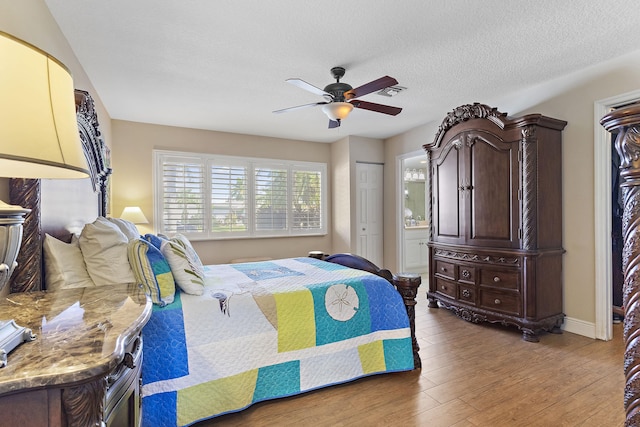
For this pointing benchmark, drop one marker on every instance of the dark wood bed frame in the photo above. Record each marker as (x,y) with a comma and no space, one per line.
(626,123)
(57,205)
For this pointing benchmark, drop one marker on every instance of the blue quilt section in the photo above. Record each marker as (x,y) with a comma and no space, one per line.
(165,355)
(265,270)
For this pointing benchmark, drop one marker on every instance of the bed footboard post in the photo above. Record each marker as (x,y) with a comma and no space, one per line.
(407,285)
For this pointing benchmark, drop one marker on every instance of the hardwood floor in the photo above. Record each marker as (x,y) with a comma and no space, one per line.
(472,375)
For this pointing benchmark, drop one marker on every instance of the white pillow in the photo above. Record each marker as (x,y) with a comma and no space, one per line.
(64,266)
(128,228)
(104,249)
(185,264)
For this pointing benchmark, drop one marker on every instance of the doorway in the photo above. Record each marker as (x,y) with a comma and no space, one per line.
(602,214)
(369,208)
(413,189)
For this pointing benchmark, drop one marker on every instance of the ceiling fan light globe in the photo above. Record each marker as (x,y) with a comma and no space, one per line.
(337,110)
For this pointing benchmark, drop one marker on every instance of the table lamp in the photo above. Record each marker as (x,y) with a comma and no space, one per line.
(39,138)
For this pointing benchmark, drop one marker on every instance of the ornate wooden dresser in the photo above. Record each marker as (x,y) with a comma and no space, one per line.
(83,368)
(496,218)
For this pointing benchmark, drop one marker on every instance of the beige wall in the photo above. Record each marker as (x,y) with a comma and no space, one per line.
(132,183)
(341,196)
(345,153)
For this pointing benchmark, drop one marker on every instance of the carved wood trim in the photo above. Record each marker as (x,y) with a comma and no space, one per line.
(627,122)
(529,170)
(84,404)
(27,275)
(407,285)
(94,147)
(470,256)
(462,114)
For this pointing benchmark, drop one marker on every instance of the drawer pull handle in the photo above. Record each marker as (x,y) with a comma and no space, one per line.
(443,287)
(466,293)
(497,301)
(466,274)
(443,268)
(496,279)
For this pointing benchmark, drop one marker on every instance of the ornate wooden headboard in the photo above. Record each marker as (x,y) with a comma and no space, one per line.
(61,207)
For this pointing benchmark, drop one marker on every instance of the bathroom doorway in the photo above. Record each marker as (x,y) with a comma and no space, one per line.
(414,214)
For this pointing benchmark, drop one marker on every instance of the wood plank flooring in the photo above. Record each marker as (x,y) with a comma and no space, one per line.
(472,375)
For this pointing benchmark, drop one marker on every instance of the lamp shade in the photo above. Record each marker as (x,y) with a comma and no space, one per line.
(134,214)
(337,110)
(39,135)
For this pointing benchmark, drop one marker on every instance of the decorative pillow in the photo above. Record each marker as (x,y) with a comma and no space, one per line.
(154,240)
(64,266)
(186,267)
(152,270)
(104,249)
(128,228)
(189,246)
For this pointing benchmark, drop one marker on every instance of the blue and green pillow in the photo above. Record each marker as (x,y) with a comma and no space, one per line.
(151,269)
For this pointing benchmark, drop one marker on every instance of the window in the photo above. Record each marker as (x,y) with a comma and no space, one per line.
(214,197)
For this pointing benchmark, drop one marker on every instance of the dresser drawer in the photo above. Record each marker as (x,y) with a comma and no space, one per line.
(466,274)
(445,269)
(467,294)
(506,302)
(504,279)
(445,287)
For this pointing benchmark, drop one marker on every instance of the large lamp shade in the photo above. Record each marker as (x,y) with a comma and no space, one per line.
(39,135)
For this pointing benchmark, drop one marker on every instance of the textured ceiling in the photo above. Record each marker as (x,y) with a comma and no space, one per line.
(222,65)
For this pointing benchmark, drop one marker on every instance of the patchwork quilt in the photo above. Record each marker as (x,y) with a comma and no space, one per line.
(266,330)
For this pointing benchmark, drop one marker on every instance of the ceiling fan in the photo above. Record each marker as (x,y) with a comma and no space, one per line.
(341,98)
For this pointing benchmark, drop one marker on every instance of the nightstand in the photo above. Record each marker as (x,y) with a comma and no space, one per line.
(83,368)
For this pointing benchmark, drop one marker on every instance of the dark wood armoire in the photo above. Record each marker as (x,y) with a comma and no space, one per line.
(496,218)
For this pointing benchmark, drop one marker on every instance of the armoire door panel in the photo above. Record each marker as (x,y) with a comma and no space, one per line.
(447,174)
(492,194)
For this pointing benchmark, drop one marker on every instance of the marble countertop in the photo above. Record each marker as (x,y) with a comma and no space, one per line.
(80,334)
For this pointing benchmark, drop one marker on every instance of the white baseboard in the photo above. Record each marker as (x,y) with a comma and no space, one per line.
(580,327)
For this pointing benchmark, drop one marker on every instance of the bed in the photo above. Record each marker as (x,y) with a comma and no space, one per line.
(266,330)
(252,331)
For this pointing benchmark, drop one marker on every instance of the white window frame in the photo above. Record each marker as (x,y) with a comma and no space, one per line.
(251,163)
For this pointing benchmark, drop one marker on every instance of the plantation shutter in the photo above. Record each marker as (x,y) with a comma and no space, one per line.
(306,201)
(270,198)
(183,195)
(229,199)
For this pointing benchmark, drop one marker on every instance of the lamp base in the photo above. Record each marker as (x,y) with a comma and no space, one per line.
(11,219)
(11,336)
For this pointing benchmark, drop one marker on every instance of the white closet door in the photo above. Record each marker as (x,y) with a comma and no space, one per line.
(369,193)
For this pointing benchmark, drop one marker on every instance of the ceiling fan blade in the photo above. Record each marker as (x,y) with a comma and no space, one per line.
(373,86)
(378,108)
(334,124)
(299,107)
(308,86)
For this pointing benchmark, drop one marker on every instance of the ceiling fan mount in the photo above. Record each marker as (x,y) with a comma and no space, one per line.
(337,89)
(340,98)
